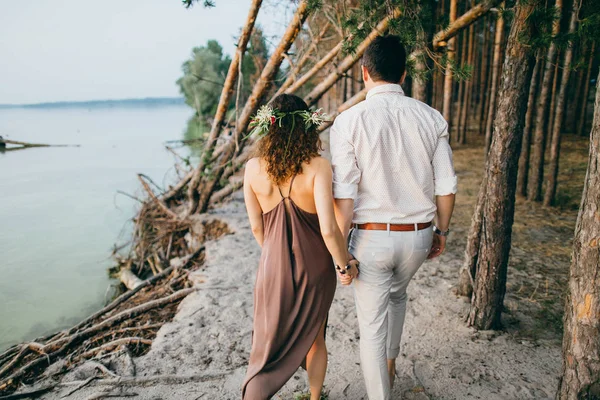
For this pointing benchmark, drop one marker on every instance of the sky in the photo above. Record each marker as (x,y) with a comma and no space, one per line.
(75,50)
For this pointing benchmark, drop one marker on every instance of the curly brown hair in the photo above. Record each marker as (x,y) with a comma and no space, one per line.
(289,144)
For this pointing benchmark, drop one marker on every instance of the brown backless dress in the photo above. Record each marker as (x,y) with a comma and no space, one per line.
(294,289)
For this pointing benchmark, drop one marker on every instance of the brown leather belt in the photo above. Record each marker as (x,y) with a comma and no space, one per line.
(393,227)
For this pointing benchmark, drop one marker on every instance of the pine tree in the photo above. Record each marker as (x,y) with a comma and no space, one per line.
(497,192)
(557,121)
(581,342)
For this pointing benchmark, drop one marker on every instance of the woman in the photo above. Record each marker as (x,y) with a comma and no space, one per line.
(288,195)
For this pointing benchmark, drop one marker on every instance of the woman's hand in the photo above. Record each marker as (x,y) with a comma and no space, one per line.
(350,274)
(438,246)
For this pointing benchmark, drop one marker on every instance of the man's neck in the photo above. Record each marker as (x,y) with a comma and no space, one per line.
(373,84)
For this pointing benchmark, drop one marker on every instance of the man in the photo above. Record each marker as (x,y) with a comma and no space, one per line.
(392,176)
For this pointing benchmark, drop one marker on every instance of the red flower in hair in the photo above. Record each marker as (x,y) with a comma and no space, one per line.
(273,119)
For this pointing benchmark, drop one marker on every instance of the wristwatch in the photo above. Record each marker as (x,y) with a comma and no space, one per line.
(440,233)
(347,267)
(343,270)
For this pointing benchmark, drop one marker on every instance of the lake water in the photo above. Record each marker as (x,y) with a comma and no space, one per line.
(60,213)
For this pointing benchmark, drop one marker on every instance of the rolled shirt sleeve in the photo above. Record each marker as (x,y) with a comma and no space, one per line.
(346,174)
(445,181)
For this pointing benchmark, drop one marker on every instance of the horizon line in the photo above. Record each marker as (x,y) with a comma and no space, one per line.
(65,102)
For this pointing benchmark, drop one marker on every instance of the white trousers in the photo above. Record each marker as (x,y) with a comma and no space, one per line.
(388,261)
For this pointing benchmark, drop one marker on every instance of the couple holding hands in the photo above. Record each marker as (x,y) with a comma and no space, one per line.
(372,209)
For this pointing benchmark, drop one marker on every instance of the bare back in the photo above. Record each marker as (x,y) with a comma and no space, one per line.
(269,196)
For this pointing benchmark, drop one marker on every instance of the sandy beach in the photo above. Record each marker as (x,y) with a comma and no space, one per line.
(202,353)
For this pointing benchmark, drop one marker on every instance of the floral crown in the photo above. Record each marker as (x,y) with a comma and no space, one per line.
(267,116)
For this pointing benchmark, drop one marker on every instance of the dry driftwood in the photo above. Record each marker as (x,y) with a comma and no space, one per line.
(129,279)
(4,142)
(58,347)
(114,345)
(30,394)
(160,203)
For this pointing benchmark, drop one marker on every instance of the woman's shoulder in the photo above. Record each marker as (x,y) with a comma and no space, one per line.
(253,168)
(320,162)
(253,164)
(318,166)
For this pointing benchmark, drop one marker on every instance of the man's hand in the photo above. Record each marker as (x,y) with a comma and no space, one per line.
(349,275)
(438,246)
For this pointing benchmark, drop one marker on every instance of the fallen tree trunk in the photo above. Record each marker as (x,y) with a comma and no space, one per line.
(4,142)
(292,78)
(468,18)
(316,68)
(226,93)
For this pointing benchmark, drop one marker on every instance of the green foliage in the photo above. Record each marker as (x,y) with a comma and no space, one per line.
(203,76)
(589,21)
(205,72)
(314,5)
(361,20)
(541,19)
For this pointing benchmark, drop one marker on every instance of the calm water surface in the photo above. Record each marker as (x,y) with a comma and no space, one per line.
(60,213)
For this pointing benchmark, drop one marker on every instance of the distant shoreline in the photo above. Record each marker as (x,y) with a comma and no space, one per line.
(144,102)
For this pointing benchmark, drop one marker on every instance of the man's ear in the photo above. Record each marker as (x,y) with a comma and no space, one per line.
(365,73)
(403,77)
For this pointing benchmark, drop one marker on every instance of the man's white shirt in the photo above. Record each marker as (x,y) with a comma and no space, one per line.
(391,155)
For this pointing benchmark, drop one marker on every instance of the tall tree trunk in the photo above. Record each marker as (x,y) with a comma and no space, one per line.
(552,109)
(419,80)
(459,102)
(494,89)
(436,93)
(448,81)
(538,146)
(462,134)
(581,342)
(525,147)
(419,83)
(484,87)
(586,93)
(439,90)
(573,106)
(199,192)
(501,172)
(559,112)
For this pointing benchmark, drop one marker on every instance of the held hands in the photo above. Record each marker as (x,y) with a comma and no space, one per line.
(437,246)
(346,276)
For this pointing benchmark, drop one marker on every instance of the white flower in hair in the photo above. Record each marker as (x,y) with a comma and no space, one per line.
(267,116)
(317,117)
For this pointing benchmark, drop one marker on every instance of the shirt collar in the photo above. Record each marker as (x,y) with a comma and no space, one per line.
(386,88)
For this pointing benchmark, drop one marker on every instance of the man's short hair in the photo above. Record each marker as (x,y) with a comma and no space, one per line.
(385,59)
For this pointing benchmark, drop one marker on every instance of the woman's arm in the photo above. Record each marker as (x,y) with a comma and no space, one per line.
(252,205)
(324,203)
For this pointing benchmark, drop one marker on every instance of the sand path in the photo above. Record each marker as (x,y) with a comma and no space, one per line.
(202,353)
